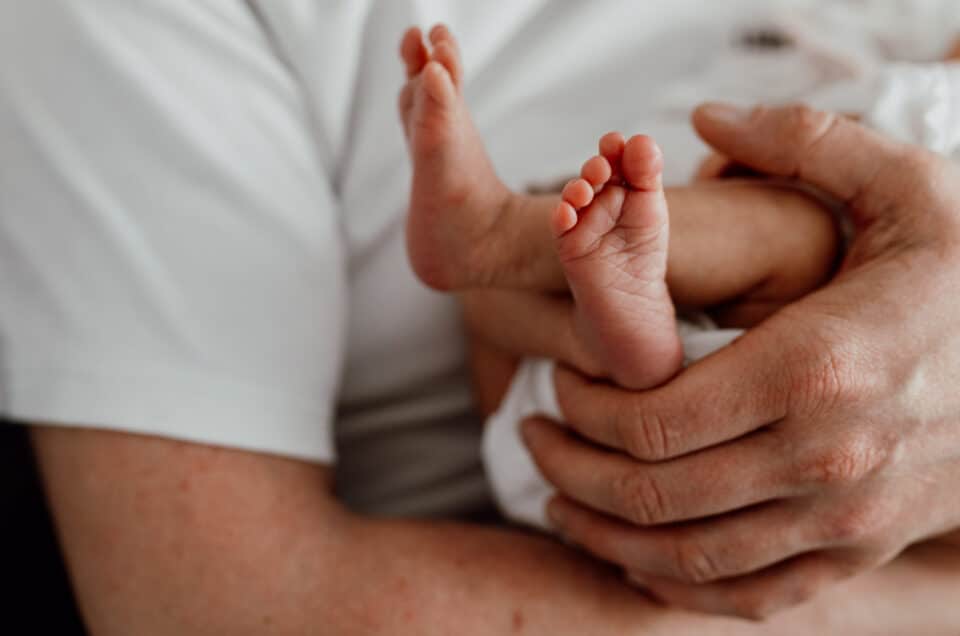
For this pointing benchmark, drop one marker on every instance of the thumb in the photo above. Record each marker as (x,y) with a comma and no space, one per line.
(830,152)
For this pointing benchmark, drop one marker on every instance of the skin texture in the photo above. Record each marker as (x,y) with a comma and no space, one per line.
(765,244)
(467,230)
(445,247)
(167,538)
(612,235)
(171,539)
(823,442)
(610,229)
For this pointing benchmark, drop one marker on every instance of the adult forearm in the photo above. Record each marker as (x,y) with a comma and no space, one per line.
(168,539)
(399,577)
(427,578)
(445,578)
(165,538)
(916,594)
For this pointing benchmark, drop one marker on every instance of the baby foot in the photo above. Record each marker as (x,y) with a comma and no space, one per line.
(456,196)
(612,230)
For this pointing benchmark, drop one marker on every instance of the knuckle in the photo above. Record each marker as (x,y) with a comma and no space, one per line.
(850,460)
(640,498)
(837,466)
(809,125)
(693,563)
(856,524)
(644,435)
(825,376)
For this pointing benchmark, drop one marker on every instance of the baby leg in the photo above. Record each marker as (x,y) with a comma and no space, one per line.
(465,228)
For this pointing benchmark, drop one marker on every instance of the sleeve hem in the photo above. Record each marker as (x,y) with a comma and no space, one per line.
(181,406)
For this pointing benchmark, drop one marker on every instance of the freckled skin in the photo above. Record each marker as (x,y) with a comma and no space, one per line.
(258,537)
(519,621)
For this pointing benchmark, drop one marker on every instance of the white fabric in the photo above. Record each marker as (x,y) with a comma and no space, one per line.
(170,260)
(201,208)
(920,105)
(520,490)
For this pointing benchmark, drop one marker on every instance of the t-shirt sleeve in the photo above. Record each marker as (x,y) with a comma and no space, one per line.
(170,254)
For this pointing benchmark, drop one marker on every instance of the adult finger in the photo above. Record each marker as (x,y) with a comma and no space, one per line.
(829,151)
(725,547)
(704,484)
(738,389)
(755,596)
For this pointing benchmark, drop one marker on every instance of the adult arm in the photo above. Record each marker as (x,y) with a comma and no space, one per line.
(823,442)
(172,263)
(168,538)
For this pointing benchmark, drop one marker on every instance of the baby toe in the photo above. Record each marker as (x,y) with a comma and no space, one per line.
(564,219)
(578,193)
(447,55)
(642,163)
(596,171)
(413,51)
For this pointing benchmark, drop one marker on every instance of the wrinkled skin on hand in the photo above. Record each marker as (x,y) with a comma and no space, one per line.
(819,445)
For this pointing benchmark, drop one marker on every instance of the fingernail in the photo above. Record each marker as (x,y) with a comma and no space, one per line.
(725,113)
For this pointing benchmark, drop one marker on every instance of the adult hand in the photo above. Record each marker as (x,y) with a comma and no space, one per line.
(821,443)
(714,166)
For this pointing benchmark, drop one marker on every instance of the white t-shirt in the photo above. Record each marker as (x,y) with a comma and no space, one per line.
(201,206)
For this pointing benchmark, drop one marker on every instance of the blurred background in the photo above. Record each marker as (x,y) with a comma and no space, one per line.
(29,552)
